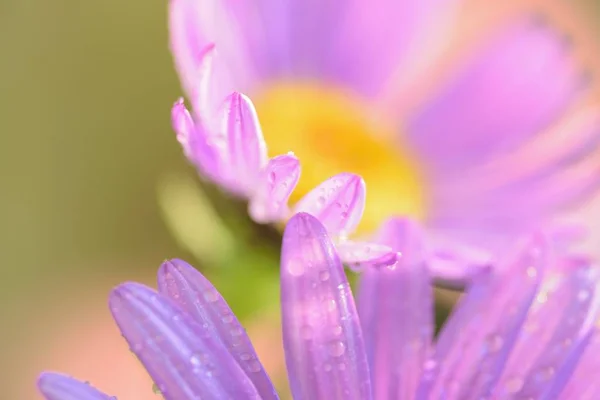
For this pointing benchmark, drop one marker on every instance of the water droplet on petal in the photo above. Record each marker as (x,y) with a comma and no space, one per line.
(337,348)
(324,275)
(211,295)
(295,267)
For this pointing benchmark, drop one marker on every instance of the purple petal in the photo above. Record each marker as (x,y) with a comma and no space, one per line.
(55,386)
(396,314)
(185,359)
(476,341)
(194,142)
(195,26)
(583,384)
(338,203)
(377,39)
(325,354)
(495,104)
(358,255)
(269,202)
(559,324)
(245,148)
(195,294)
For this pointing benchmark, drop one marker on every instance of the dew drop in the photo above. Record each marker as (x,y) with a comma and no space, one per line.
(211,295)
(295,267)
(327,367)
(324,275)
(236,332)
(254,366)
(494,343)
(337,330)
(337,348)
(227,319)
(514,384)
(531,272)
(583,295)
(321,200)
(245,356)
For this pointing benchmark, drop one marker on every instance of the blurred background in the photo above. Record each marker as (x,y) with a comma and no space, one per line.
(86,146)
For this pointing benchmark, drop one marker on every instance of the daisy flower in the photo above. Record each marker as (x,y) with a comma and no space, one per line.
(480,145)
(534,337)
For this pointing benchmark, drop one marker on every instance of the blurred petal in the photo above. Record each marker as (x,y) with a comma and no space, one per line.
(246,151)
(476,341)
(325,354)
(358,255)
(185,359)
(495,103)
(555,333)
(193,28)
(338,203)
(377,38)
(583,384)
(194,143)
(396,314)
(55,386)
(269,202)
(196,295)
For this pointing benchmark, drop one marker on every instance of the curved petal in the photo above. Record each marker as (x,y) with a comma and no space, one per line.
(395,305)
(195,26)
(196,295)
(55,386)
(194,142)
(495,103)
(325,354)
(477,338)
(185,359)
(242,142)
(359,255)
(338,203)
(277,181)
(555,333)
(377,39)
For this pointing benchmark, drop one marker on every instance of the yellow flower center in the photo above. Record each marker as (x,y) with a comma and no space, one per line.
(330,132)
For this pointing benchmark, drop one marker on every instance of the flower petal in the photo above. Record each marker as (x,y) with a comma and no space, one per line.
(559,324)
(359,255)
(55,386)
(325,354)
(246,151)
(194,142)
(338,203)
(476,341)
(196,295)
(377,39)
(495,104)
(193,28)
(396,314)
(185,359)
(273,189)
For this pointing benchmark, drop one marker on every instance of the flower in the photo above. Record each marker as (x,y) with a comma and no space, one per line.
(357,87)
(533,337)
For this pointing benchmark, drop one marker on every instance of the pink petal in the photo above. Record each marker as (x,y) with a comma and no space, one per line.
(338,203)
(359,255)
(323,342)
(195,294)
(194,141)
(273,189)
(245,151)
(396,314)
(559,320)
(495,104)
(475,342)
(194,26)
